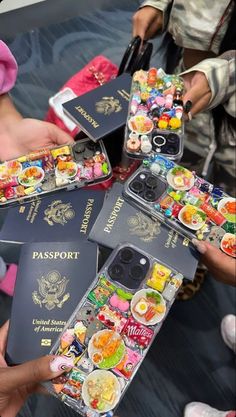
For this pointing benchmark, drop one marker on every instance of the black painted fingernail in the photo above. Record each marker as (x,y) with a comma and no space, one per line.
(188,106)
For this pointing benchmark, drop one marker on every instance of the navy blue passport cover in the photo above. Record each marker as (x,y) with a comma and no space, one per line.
(119,222)
(51,280)
(102,110)
(66,216)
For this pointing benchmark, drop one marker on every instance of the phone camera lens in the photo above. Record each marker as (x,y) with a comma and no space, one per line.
(137,186)
(136,272)
(126,255)
(149,195)
(116,271)
(151,182)
(172,150)
(173,138)
(92,146)
(79,147)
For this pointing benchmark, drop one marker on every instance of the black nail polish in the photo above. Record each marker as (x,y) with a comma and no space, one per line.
(188,106)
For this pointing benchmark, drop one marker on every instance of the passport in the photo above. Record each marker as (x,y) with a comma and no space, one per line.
(68,214)
(52,278)
(119,222)
(103,110)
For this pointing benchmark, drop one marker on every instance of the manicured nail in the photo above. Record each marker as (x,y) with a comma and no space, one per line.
(188,106)
(199,246)
(61,363)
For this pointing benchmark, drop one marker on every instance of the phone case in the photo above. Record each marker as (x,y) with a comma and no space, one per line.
(186,202)
(56,102)
(112,329)
(48,170)
(155,123)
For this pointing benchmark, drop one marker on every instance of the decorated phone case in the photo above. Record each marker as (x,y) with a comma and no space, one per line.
(48,170)
(186,202)
(155,123)
(112,329)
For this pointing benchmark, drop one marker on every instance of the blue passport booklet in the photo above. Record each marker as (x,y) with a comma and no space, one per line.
(52,278)
(120,222)
(69,215)
(103,110)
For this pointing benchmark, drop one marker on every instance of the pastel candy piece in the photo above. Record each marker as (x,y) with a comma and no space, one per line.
(97,169)
(169,101)
(160,100)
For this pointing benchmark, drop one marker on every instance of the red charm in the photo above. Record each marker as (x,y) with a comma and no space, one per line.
(138,333)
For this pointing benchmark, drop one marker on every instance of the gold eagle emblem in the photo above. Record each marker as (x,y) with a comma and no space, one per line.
(108,105)
(58,213)
(145,228)
(51,291)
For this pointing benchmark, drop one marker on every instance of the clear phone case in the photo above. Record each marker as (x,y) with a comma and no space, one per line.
(48,170)
(184,201)
(112,329)
(155,115)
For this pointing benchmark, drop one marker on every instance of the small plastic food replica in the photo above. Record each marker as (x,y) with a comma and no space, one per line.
(186,202)
(109,334)
(47,170)
(155,123)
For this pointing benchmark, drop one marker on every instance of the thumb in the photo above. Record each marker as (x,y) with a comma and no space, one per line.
(58,136)
(42,369)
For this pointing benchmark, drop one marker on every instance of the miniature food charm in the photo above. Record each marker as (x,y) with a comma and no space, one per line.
(106,349)
(101,391)
(148,307)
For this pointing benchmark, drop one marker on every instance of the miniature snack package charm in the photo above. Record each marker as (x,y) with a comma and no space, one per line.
(124,300)
(187,203)
(47,170)
(155,122)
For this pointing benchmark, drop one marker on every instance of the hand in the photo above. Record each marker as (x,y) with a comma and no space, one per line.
(25,135)
(17,382)
(221,266)
(197,91)
(146,22)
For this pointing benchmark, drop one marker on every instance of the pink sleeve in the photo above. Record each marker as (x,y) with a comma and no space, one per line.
(8,69)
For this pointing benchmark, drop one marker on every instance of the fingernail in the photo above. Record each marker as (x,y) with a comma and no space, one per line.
(199,246)
(61,363)
(188,106)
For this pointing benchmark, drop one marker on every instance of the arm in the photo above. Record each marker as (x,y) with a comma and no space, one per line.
(150,18)
(212,82)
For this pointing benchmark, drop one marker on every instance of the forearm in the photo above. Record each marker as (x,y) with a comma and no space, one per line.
(8,112)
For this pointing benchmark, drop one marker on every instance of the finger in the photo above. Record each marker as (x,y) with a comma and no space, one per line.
(200,104)
(3,337)
(58,136)
(139,30)
(222,266)
(32,372)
